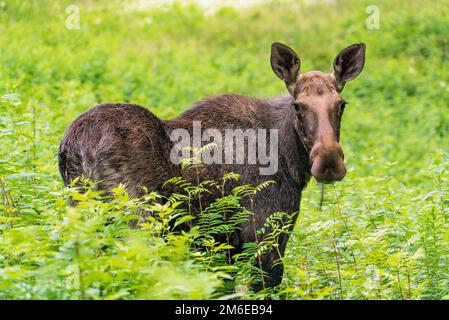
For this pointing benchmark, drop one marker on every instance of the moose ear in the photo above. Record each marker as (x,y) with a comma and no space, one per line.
(349,63)
(285,62)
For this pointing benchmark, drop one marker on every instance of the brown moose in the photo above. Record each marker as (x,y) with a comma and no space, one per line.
(126,143)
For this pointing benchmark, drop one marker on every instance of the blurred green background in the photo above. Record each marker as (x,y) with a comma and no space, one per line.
(383,233)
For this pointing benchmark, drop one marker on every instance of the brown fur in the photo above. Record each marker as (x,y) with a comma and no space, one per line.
(124,143)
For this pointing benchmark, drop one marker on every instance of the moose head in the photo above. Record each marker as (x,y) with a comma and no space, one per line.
(319,105)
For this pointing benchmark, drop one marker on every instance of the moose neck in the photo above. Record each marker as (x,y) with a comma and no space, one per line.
(247,112)
(294,164)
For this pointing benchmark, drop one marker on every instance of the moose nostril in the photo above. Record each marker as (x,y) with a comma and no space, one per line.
(314,153)
(340,153)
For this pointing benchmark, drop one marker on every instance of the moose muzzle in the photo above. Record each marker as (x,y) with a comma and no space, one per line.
(327,162)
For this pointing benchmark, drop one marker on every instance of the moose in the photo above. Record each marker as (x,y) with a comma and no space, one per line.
(127,144)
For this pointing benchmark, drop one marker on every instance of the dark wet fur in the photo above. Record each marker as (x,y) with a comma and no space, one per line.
(125,143)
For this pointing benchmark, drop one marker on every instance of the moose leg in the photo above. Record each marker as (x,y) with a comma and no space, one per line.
(272,266)
(273,270)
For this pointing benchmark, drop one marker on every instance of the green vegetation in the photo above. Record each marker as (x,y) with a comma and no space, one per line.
(382,233)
